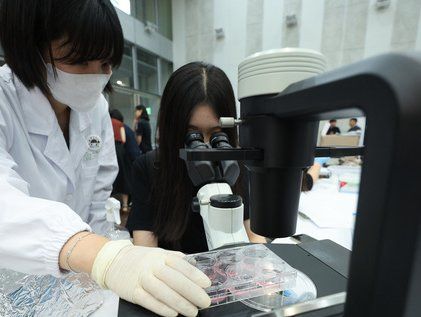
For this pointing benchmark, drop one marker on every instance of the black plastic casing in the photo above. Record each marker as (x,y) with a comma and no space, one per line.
(385,270)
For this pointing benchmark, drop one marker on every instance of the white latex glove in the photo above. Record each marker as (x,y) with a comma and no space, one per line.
(156,279)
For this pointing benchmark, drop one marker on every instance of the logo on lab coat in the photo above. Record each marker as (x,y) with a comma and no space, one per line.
(94,143)
(94,146)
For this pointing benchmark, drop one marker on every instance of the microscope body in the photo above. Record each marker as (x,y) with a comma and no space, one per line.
(221,211)
(278,134)
(222,214)
(386,253)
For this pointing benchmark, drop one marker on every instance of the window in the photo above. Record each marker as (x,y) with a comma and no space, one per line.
(123,101)
(150,10)
(166,71)
(158,12)
(123,76)
(165,18)
(145,10)
(147,71)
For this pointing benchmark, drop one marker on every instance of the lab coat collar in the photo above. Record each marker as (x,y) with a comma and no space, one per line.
(39,118)
(79,134)
(38,114)
(80,120)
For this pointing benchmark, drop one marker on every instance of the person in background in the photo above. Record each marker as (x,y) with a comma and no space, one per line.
(353,125)
(58,162)
(142,128)
(333,129)
(131,147)
(131,152)
(310,176)
(121,186)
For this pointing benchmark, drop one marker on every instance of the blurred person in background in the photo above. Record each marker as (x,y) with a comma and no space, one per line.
(142,128)
(121,186)
(353,127)
(333,129)
(131,152)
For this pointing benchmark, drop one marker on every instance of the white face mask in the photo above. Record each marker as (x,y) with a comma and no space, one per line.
(78,91)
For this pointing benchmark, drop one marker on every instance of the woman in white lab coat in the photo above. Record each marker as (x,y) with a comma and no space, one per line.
(57,156)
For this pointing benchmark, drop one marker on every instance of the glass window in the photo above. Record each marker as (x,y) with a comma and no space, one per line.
(123,101)
(165,18)
(166,71)
(150,10)
(146,57)
(147,72)
(145,10)
(138,10)
(123,76)
(158,12)
(127,100)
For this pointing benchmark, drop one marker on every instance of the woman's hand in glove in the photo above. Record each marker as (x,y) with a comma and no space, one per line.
(156,279)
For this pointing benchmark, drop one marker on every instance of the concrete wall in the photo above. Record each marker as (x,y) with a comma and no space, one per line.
(344,30)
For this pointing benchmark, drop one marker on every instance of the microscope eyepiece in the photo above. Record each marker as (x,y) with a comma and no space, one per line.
(194,139)
(200,172)
(220,140)
(203,172)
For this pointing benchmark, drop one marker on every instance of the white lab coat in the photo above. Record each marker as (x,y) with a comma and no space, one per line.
(48,192)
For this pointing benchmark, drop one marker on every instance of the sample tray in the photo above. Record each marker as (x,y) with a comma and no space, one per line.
(243,272)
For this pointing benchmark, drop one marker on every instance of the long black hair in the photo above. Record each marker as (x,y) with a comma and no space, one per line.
(116,114)
(90,29)
(144,114)
(192,84)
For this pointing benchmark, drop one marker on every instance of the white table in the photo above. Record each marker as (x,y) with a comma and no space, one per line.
(333,212)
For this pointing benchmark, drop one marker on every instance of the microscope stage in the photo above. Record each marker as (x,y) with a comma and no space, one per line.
(324,262)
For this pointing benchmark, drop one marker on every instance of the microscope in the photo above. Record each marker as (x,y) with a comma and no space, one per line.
(282,101)
(221,211)
(278,132)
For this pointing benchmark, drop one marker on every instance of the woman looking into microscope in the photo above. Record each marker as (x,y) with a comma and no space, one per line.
(195,97)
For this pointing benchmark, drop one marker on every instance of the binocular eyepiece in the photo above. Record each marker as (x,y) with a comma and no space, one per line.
(218,140)
(194,140)
(203,172)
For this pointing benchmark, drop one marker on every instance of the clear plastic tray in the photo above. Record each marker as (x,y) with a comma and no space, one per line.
(303,291)
(243,272)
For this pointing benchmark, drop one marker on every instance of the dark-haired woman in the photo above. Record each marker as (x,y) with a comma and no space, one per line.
(57,156)
(195,97)
(121,186)
(142,127)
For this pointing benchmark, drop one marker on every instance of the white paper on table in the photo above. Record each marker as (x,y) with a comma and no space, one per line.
(329,209)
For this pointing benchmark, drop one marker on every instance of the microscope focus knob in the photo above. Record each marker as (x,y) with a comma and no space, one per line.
(226,201)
